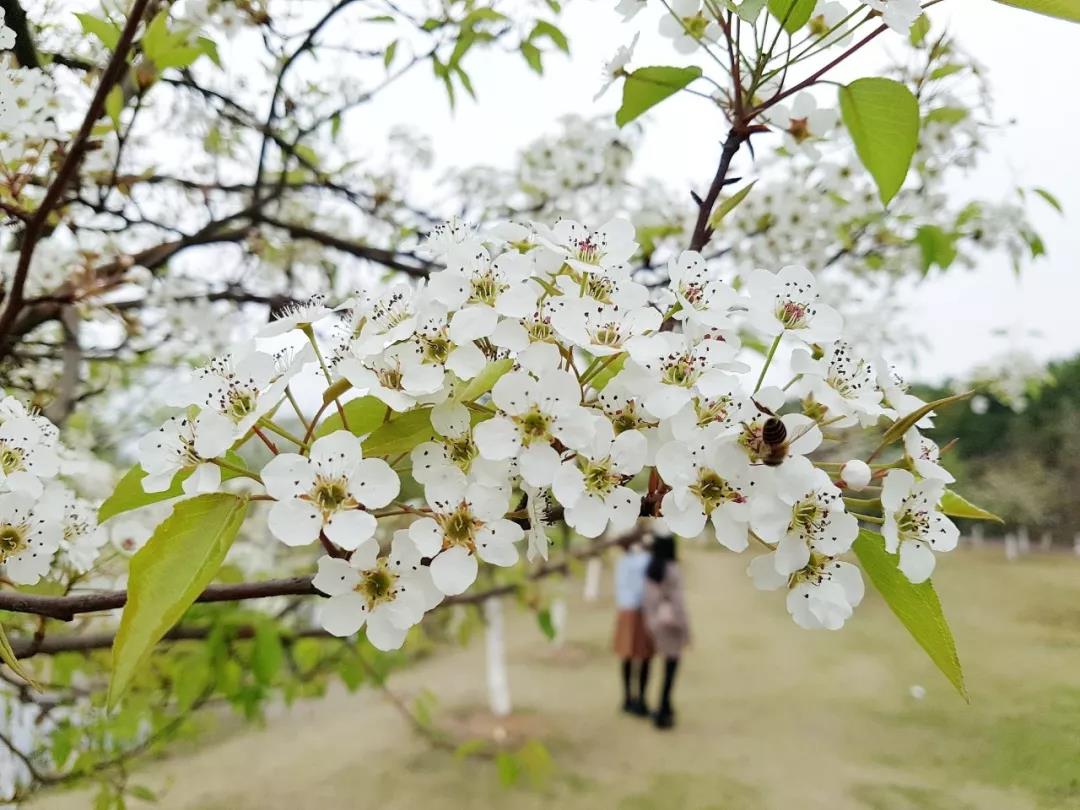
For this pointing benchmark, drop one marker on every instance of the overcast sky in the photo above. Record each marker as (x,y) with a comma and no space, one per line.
(967,317)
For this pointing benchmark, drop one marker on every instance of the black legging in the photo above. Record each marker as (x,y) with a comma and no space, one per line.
(628,677)
(671,666)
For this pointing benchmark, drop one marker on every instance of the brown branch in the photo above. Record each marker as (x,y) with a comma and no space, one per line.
(15,19)
(114,72)
(392,259)
(65,608)
(702,231)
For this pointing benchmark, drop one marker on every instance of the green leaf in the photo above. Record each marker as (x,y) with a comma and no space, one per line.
(882,117)
(129,493)
(955,505)
(792,14)
(7,655)
(901,426)
(557,37)
(466,82)
(363,414)
(107,32)
(168,573)
(114,105)
(1062,9)
(1051,200)
(547,626)
(157,39)
(142,793)
(600,380)
(388,55)
(174,49)
(749,10)
(268,653)
(209,47)
(947,115)
(729,205)
(916,606)
(484,381)
(508,767)
(532,56)
(938,246)
(401,434)
(648,86)
(946,70)
(919,29)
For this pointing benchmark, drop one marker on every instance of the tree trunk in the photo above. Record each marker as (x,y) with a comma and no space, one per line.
(498,683)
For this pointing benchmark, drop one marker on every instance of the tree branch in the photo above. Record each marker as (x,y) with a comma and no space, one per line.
(15,19)
(702,231)
(417,267)
(65,608)
(114,72)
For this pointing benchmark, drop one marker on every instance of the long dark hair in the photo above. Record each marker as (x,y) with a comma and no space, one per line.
(663,552)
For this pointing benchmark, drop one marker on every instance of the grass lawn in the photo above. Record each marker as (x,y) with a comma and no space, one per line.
(769,716)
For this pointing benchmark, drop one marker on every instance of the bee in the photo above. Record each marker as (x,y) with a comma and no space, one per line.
(774,441)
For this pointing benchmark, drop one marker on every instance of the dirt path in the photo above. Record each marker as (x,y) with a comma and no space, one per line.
(769,716)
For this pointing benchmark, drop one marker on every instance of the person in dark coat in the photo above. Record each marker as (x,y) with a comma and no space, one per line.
(664,609)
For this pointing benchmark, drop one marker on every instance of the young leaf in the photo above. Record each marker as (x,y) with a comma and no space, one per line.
(1051,200)
(484,381)
(937,245)
(547,626)
(882,117)
(107,32)
(363,414)
(648,86)
(792,14)
(533,56)
(955,505)
(267,654)
(168,573)
(129,493)
(114,105)
(1062,9)
(749,10)
(729,205)
(605,375)
(916,606)
(401,434)
(546,29)
(7,655)
(901,426)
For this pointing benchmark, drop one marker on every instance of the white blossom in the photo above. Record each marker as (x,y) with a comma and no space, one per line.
(388,594)
(329,491)
(914,526)
(467,522)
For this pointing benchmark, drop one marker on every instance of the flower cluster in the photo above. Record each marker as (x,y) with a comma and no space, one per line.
(532,376)
(41,519)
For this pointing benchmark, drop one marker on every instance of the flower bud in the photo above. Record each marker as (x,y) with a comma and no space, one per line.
(856,474)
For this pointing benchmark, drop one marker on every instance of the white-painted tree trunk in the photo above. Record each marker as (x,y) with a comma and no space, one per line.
(1010,547)
(498,682)
(593,570)
(1076,545)
(1046,542)
(977,536)
(1023,541)
(559,613)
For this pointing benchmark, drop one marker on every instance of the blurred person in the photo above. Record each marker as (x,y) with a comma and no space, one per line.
(632,643)
(664,609)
